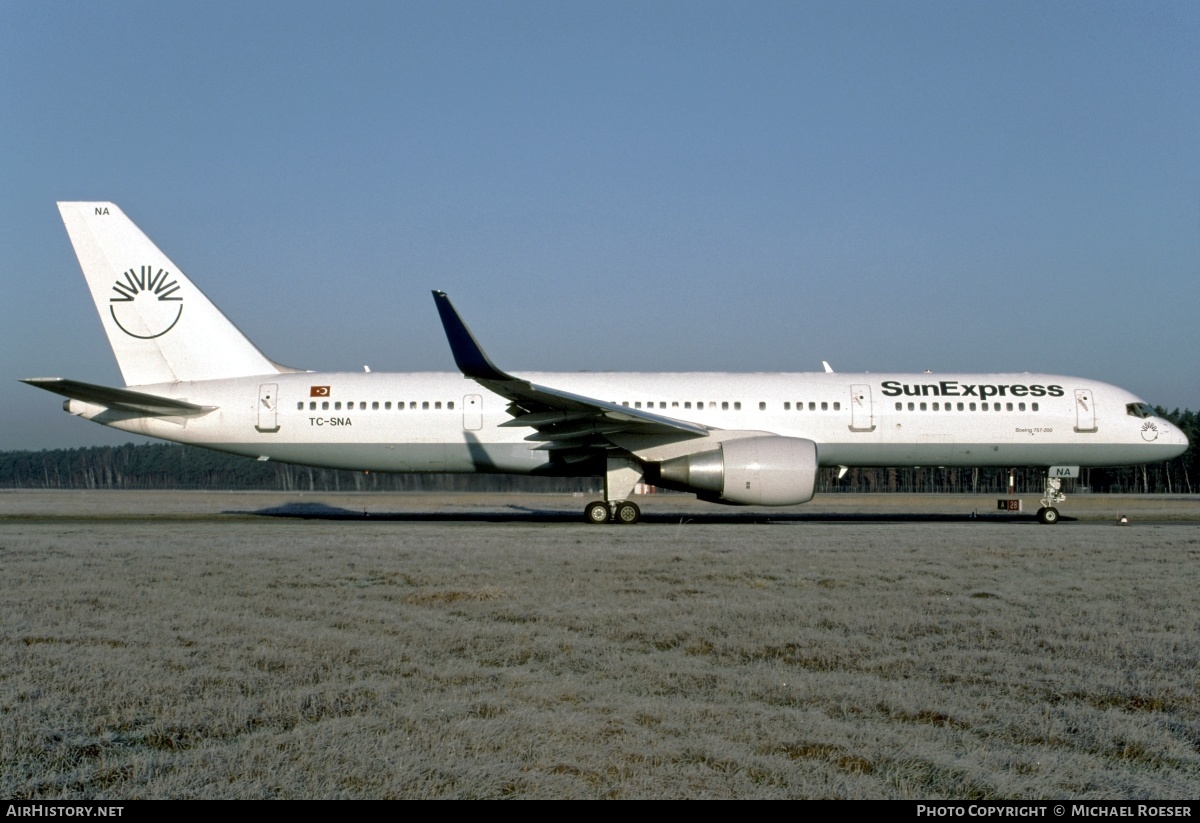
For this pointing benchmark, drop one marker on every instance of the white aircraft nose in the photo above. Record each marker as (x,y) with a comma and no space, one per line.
(1172,435)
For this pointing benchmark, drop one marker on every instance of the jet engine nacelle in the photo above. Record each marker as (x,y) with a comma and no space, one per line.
(753,471)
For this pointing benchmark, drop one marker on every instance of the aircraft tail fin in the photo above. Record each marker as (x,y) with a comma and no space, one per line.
(161,327)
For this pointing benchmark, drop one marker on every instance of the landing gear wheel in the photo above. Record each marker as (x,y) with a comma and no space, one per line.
(596,512)
(628,513)
(1048,515)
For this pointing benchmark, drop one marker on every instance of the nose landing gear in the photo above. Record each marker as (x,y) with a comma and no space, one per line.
(1048,514)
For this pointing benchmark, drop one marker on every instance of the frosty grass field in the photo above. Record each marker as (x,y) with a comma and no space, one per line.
(193,645)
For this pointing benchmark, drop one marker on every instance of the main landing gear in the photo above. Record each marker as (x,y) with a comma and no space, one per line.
(619,511)
(1048,514)
(620,479)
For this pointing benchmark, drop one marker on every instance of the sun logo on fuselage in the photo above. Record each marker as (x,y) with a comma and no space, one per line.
(147,304)
(1149,431)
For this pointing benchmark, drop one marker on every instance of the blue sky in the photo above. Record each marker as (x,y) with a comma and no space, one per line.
(631,186)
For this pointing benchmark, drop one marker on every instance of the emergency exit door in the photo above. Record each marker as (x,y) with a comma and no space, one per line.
(473,412)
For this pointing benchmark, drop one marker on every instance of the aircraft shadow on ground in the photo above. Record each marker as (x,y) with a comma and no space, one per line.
(524,514)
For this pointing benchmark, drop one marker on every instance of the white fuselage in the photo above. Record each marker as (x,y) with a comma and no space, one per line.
(442,422)
(751,439)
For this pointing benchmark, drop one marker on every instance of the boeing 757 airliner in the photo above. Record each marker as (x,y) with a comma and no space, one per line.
(757,439)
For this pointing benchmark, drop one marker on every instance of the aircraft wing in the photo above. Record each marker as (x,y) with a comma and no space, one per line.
(120,399)
(563,421)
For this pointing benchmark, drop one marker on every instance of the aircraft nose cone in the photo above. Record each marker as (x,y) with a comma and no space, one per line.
(1175,437)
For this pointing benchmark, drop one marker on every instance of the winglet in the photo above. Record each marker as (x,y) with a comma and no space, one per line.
(468,354)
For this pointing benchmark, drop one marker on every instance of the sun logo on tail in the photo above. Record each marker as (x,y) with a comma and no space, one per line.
(147,304)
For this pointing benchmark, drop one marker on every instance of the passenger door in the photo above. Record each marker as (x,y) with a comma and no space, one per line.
(862,414)
(268,407)
(1085,411)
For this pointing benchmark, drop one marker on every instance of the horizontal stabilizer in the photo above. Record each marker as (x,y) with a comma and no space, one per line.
(122,399)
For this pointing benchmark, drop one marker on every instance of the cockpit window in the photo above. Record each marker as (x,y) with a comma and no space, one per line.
(1139,409)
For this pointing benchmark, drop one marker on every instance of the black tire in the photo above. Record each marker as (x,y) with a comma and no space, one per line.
(596,512)
(628,513)
(1048,515)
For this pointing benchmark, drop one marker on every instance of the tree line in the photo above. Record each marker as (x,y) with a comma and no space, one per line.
(171,466)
